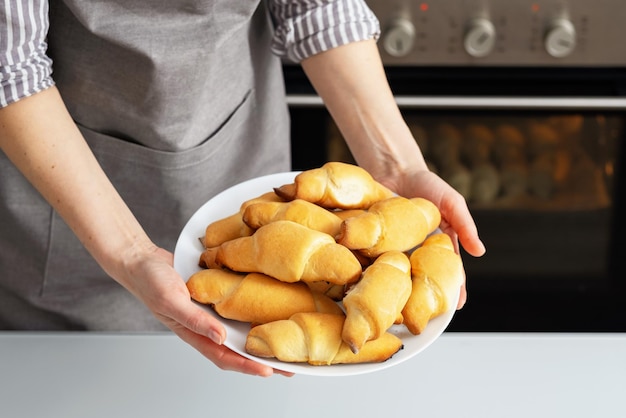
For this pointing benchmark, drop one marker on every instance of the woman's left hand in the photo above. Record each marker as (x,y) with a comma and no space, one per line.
(456,219)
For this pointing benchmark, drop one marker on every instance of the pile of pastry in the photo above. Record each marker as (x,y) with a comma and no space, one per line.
(290,259)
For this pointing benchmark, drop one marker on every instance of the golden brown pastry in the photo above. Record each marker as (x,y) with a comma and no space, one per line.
(334,291)
(298,210)
(233,226)
(207,258)
(477,144)
(225,229)
(542,139)
(510,145)
(348,213)
(375,303)
(437,274)
(255,297)
(336,185)
(315,338)
(445,145)
(485,183)
(569,125)
(396,223)
(290,252)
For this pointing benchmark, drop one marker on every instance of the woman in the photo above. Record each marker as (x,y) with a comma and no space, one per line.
(154,107)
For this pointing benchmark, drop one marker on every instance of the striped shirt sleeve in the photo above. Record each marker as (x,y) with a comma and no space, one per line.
(25,69)
(308,27)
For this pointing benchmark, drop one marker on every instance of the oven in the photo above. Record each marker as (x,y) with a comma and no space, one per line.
(521,106)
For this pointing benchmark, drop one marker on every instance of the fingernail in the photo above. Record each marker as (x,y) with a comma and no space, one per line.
(215,336)
(462,300)
(266,372)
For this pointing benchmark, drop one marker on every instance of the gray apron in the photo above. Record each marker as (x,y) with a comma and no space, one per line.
(178,100)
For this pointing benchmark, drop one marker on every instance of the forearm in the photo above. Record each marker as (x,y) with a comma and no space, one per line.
(41,139)
(351,81)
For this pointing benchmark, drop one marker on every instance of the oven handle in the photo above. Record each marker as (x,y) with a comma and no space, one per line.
(472,102)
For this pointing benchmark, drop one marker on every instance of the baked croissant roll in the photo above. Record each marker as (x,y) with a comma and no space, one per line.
(348,213)
(396,223)
(375,303)
(290,252)
(225,229)
(437,274)
(336,185)
(233,226)
(334,291)
(299,211)
(315,338)
(255,297)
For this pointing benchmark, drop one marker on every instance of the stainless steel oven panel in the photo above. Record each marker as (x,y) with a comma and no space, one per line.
(501,32)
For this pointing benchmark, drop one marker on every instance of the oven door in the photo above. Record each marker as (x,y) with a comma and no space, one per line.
(542,173)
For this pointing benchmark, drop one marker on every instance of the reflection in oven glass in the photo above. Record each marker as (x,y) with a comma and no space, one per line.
(547,163)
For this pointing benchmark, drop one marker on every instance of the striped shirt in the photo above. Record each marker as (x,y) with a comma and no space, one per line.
(24,67)
(307,27)
(302,28)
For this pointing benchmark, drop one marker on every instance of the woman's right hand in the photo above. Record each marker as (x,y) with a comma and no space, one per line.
(150,276)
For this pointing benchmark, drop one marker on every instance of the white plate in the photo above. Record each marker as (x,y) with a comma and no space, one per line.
(187,253)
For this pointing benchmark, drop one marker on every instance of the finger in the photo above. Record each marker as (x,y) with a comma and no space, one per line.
(226,359)
(471,243)
(222,356)
(206,334)
(455,212)
(180,310)
(284,373)
(200,322)
(462,297)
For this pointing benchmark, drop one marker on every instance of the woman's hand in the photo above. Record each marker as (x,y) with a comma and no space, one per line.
(456,220)
(152,279)
(351,80)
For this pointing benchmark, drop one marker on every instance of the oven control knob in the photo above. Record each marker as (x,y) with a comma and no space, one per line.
(560,39)
(480,38)
(399,37)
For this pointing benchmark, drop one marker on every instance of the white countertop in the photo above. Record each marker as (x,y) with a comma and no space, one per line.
(92,375)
